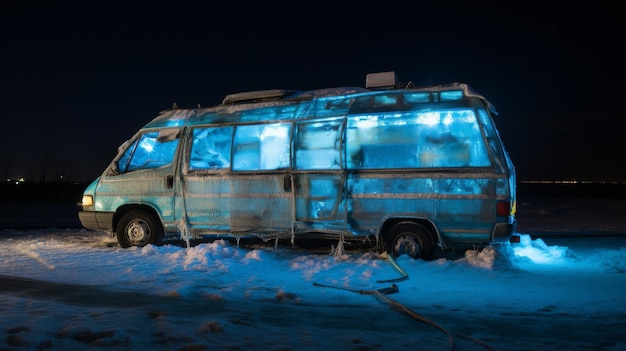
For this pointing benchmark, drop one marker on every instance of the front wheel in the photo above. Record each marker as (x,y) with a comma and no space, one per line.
(138,228)
(407,238)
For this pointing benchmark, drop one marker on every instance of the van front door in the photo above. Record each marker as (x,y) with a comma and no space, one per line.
(144,175)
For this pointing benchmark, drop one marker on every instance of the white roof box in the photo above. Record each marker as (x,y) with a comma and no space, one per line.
(381,80)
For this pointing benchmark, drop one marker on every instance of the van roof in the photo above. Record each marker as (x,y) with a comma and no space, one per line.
(282,104)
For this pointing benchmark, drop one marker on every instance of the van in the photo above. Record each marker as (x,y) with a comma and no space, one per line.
(408,169)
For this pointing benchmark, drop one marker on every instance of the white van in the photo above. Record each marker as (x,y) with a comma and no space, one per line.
(408,169)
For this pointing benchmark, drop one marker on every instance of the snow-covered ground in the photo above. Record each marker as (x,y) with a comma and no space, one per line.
(562,288)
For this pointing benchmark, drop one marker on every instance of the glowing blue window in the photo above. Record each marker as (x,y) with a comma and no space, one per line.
(262,147)
(421,139)
(210,148)
(416,97)
(451,95)
(385,100)
(318,145)
(150,150)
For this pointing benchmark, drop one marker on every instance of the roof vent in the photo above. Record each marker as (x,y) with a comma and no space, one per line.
(381,80)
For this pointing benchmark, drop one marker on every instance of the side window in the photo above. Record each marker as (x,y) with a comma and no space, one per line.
(423,139)
(262,147)
(318,145)
(384,140)
(210,148)
(150,150)
(451,138)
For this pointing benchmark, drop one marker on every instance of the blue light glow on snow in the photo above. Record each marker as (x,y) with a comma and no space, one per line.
(538,252)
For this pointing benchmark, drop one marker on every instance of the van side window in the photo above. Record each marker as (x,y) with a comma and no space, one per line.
(421,139)
(262,147)
(150,150)
(318,145)
(210,148)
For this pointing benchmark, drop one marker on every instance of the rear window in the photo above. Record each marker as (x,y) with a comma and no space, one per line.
(422,139)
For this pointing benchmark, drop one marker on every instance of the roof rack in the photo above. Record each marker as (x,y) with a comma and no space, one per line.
(257,96)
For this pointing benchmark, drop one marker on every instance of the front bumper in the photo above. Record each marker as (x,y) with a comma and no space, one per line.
(96,220)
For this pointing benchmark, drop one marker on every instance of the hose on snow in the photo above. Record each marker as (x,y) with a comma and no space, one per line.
(382,294)
(394,264)
(400,307)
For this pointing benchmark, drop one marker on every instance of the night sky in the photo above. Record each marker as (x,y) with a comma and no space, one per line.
(79,79)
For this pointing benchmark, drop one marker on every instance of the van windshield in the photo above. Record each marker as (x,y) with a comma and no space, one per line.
(150,150)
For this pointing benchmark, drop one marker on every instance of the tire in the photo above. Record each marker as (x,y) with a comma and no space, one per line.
(138,228)
(408,238)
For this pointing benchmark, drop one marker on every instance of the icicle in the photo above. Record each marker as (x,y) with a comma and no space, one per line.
(276,244)
(184,231)
(339,250)
(293,215)
(238,238)
(183,228)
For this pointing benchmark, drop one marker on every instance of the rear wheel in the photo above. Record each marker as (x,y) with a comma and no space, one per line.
(408,238)
(138,228)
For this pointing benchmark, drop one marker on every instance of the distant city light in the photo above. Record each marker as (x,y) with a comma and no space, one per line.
(572,181)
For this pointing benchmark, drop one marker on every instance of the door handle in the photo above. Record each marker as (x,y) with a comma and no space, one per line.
(287,183)
(169,181)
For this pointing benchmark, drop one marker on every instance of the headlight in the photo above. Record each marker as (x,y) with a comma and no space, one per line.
(87,200)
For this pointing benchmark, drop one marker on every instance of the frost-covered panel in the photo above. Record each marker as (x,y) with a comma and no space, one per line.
(262,147)
(375,196)
(331,106)
(318,196)
(260,202)
(270,113)
(318,145)
(171,118)
(210,148)
(207,203)
(421,139)
(465,186)
(378,103)
(150,150)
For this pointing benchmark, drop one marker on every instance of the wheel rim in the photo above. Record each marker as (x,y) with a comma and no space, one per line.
(408,244)
(138,233)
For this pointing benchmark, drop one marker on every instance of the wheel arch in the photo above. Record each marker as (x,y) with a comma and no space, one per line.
(122,210)
(428,225)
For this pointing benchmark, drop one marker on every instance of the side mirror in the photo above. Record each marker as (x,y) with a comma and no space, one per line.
(113,168)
